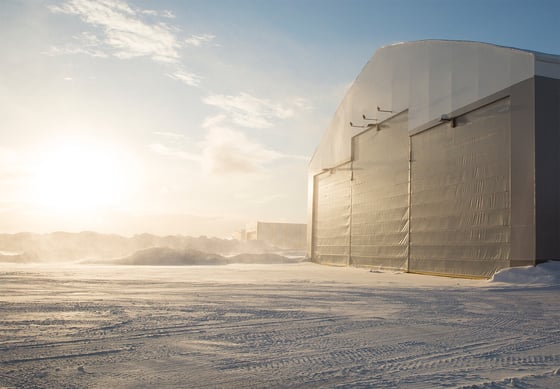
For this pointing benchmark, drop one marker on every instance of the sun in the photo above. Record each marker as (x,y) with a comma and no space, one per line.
(77,176)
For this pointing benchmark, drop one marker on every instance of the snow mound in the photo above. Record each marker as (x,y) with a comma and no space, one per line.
(265,258)
(165,256)
(544,274)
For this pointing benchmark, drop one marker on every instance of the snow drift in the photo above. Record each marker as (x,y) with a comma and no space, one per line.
(165,256)
(544,274)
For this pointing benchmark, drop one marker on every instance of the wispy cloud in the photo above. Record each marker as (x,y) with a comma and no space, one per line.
(170,135)
(228,151)
(173,152)
(224,150)
(124,30)
(249,111)
(164,14)
(214,121)
(185,77)
(120,30)
(84,43)
(199,40)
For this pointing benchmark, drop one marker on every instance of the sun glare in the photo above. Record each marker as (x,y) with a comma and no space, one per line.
(79,177)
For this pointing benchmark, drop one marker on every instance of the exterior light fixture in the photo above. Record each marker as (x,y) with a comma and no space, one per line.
(383,110)
(448,118)
(369,125)
(353,125)
(366,118)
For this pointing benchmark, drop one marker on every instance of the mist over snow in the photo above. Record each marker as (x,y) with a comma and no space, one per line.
(143,249)
(6,256)
(165,256)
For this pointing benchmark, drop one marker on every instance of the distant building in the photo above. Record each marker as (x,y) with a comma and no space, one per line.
(442,158)
(291,236)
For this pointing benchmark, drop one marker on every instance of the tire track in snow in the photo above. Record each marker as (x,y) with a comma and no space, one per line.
(283,336)
(64,356)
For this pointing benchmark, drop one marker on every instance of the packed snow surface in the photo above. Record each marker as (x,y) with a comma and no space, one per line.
(281,325)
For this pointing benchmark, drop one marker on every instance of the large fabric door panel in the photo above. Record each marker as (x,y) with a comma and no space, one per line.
(331,217)
(379,233)
(460,216)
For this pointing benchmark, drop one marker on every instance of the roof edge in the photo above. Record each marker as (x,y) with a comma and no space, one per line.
(548,57)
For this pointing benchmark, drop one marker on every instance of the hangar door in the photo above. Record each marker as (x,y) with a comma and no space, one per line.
(379,233)
(331,216)
(460,196)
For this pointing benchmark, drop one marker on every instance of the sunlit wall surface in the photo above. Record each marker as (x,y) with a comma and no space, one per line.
(331,216)
(460,194)
(429,162)
(380,232)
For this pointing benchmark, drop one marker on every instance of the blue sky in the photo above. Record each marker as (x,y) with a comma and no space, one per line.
(196,117)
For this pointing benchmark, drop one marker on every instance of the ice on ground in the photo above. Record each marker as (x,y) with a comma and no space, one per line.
(290,325)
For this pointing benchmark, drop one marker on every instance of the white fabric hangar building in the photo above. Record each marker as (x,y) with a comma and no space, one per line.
(442,158)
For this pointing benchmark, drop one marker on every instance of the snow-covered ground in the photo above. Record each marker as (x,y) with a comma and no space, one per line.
(288,325)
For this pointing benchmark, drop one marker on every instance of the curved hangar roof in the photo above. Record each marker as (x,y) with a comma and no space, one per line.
(429,78)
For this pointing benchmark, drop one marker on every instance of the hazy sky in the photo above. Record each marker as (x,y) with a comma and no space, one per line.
(196,117)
